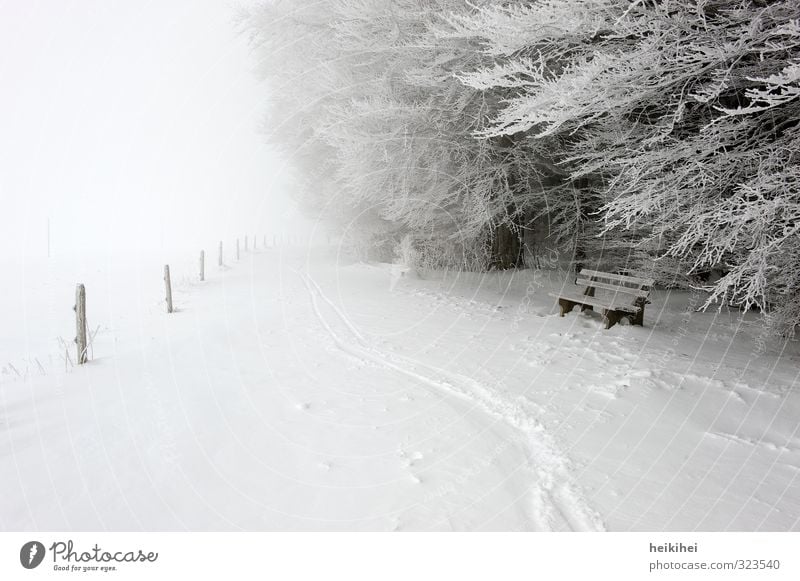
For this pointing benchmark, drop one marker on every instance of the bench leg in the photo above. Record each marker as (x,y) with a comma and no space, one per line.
(611,318)
(638,318)
(589,292)
(565,306)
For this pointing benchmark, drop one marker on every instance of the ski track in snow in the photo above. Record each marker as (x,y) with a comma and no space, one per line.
(556,501)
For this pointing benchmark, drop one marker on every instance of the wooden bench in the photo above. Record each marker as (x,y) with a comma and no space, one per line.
(622,296)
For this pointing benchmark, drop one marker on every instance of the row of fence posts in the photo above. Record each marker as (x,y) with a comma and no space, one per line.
(80,294)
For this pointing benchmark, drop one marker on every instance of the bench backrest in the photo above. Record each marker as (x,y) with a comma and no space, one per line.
(637,287)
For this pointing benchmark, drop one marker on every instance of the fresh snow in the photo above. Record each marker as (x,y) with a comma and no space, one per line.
(297,390)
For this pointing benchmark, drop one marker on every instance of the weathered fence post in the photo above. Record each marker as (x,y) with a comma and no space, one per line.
(219,260)
(202,265)
(80,322)
(245,243)
(265,240)
(255,242)
(237,249)
(274,240)
(168,286)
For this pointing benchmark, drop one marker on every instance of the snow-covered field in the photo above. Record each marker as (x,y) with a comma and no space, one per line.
(298,390)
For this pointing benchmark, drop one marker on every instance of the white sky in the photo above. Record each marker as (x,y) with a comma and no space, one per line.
(131,124)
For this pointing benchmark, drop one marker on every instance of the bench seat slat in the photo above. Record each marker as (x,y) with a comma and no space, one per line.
(610,303)
(621,277)
(638,292)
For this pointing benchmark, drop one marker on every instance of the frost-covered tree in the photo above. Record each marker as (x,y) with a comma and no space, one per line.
(657,135)
(367,97)
(681,114)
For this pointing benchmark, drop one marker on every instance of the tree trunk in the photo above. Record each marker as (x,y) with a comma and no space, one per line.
(506,248)
(507,244)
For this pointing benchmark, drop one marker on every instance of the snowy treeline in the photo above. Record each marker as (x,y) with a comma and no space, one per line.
(655,137)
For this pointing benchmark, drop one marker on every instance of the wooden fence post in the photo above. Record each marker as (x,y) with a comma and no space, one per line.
(202,265)
(237,249)
(219,259)
(168,286)
(80,321)
(245,243)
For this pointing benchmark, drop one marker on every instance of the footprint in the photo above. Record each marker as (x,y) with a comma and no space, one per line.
(410,459)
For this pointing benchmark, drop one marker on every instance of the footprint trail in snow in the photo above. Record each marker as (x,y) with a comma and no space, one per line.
(555,499)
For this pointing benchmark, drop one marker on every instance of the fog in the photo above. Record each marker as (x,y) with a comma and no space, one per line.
(131,125)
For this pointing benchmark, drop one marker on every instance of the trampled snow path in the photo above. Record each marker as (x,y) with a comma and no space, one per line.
(555,500)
